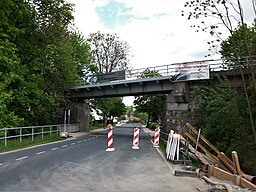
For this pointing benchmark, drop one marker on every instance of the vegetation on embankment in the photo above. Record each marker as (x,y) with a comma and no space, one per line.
(227,115)
(222,115)
(13,144)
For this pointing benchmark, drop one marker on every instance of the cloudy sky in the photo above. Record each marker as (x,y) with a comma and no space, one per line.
(154,29)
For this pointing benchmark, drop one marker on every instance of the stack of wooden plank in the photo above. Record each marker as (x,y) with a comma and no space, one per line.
(218,164)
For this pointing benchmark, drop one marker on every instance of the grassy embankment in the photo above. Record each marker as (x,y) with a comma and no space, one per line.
(13,144)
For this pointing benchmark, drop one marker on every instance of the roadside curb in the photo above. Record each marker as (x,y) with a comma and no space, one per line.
(159,151)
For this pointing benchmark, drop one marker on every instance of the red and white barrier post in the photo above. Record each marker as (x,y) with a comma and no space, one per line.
(136,138)
(110,139)
(157,136)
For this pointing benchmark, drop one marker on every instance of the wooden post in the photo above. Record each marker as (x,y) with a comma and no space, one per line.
(236,163)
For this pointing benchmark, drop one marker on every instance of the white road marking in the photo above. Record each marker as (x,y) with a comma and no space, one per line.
(85,140)
(72,143)
(64,146)
(1,164)
(21,158)
(53,149)
(89,139)
(41,152)
(79,141)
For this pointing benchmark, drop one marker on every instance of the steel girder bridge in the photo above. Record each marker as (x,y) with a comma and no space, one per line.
(159,79)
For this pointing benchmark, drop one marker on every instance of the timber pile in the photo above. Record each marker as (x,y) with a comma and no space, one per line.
(218,164)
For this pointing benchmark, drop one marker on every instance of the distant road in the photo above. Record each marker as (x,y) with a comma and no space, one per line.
(82,164)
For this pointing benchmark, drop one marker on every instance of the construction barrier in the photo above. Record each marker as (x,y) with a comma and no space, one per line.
(136,138)
(110,139)
(220,166)
(157,136)
(173,146)
(169,141)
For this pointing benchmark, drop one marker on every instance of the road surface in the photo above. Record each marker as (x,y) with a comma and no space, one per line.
(82,164)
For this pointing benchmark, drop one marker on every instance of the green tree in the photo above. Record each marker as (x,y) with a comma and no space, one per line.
(228,16)
(109,52)
(142,116)
(223,118)
(11,73)
(235,44)
(109,107)
(239,52)
(129,110)
(40,56)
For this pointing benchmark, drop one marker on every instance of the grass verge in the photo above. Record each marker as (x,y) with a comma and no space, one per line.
(13,144)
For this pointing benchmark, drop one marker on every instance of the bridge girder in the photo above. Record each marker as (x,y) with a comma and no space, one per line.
(124,88)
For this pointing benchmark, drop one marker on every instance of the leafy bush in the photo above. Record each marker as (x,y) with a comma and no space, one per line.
(152,126)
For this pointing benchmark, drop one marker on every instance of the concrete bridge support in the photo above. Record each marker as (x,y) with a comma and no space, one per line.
(178,106)
(79,114)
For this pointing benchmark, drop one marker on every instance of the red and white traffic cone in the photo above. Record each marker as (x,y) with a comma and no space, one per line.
(110,140)
(136,138)
(156,138)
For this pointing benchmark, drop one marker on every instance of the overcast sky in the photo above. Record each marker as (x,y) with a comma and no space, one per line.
(154,29)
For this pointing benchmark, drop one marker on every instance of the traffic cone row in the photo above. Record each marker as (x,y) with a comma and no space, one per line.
(135,138)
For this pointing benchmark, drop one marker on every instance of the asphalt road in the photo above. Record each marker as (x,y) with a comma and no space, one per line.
(82,164)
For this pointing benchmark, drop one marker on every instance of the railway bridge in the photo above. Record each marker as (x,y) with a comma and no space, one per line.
(176,80)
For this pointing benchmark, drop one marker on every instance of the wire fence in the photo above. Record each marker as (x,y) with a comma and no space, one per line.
(27,132)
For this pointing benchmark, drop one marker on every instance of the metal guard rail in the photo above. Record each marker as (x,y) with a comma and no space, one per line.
(171,69)
(35,130)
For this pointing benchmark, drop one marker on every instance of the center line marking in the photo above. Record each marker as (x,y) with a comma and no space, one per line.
(39,153)
(53,149)
(64,145)
(21,158)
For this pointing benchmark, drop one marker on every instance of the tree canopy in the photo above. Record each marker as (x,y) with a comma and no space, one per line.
(242,44)
(223,117)
(40,56)
(109,52)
